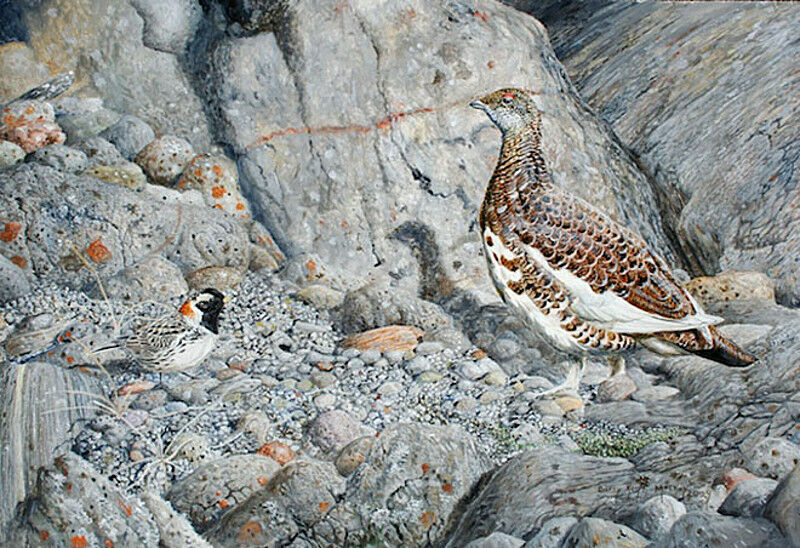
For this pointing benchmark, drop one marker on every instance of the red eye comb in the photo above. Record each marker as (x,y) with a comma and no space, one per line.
(511,95)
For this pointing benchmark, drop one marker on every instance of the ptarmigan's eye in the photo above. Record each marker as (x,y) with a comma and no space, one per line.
(506,99)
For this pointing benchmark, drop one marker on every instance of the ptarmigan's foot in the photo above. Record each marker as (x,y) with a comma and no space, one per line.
(617,364)
(570,386)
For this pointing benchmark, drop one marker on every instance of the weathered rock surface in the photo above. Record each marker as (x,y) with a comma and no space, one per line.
(215,487)
(656,516)
(73,505)
(293,505)
(39,403)
(783,507)
(713,124)
(708,529)
(343,167)
(600,532)
(102,41)
(154,278)
(748,498)
(58,215)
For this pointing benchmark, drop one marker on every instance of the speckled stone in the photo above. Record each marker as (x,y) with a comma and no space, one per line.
(165,158)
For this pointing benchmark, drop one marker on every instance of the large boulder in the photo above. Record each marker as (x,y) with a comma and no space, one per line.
(699,92)
(336,155)
(122,58)
(66,226)
(39,404)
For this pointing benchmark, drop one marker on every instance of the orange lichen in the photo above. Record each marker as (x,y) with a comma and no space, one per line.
(311,265)
(217,206)
(482,15)
(478,354)
(98,252)
(125,507)
(78,541)
(198,172)
(427,518)
(70,359)
(323,506)
(217,169)
(187,309)
(249,531)
(425,468)
(44,535)
(223,504)
(10,232)
(109,543)
(239,206)
(19,260)
(277,451)
(447,487)
(262,480)
(218,192)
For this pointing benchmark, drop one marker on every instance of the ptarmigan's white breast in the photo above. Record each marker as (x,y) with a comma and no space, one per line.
(547,324)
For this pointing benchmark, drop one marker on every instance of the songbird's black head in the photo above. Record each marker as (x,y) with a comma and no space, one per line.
(510,109)
(210,302)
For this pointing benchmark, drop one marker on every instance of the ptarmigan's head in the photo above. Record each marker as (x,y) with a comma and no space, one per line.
(510,109)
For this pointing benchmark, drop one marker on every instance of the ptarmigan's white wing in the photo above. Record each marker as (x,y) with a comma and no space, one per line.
(616,281)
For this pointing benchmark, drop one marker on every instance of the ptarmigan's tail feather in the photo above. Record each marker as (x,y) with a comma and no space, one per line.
(709,343)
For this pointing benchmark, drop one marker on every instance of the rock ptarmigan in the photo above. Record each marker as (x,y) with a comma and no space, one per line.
(584,282)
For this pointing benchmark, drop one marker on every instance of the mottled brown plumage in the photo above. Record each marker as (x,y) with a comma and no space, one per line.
(585,282)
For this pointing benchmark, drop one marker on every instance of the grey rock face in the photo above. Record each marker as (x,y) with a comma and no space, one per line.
(112,227)
(748,497)
(656,516)
(552,533)
(709,529)
(10,154)
(384,152)
(75,506)
(155,278)
(175,531)
(39,404)
(600,532)
(13,282)
(130,135)
(109,57)
(496,540)
(83,118)
(720,146)
(292,506)
(60,157)
(332,430)
(783,507)
(772,457)
(215,487)
(168,25)
(520,495)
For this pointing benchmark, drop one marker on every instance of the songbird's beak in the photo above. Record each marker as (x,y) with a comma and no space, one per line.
(478,105)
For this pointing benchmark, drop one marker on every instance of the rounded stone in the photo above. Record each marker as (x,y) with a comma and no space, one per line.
(165,158)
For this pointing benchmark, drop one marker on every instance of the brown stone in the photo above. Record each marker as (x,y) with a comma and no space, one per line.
(393,337)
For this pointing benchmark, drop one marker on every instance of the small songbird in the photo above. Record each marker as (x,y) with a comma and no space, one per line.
(178,341)
(577,277)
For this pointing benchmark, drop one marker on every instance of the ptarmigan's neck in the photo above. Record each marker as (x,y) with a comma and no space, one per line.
(521,167)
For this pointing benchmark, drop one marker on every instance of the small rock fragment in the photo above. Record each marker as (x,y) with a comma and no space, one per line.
(165,158)
(277,451)
(385,339)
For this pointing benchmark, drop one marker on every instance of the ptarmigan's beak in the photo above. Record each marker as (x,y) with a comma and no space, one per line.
(226,300)
(478,105)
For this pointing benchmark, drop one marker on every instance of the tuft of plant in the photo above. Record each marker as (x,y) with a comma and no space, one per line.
(610,443)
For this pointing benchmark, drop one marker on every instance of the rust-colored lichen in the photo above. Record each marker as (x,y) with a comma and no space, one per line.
(427,518)
(78,541)
(447,487)
(10,231)
(98,252)
(19,260)
(277,451)
(323,506)
(249,531)
(426,468)
(218,192)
